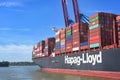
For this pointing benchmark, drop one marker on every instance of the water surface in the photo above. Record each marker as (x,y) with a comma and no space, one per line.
(34,73)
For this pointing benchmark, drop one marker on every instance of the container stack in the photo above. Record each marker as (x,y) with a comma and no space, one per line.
(80,36)
(49,46)
(35,52)
(118,20)
(41,48)
(57,44)
(101,30)
(68,39)
(75,37)
(84,36)
(62,42)
(118,27)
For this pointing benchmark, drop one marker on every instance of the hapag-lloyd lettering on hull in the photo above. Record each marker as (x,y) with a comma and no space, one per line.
(84,58)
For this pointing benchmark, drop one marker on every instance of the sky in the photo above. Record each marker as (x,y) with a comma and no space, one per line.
(23,23)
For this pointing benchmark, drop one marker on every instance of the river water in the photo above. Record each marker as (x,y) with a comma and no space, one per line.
(33,73)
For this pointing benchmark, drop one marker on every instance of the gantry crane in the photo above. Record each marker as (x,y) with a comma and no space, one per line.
(79,17)
(65,12)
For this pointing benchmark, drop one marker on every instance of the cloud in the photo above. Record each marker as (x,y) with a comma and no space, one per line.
(10,4)
(12,48)
(16,53)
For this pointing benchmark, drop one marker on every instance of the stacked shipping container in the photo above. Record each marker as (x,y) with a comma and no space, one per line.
(83,36)
(118,20)
(38,50)
(57,44)
(68,43)
(101,31)
(80,36)
(62,41)
(41,48)
(118,29)
(34,53)
(75,37)
(49,46)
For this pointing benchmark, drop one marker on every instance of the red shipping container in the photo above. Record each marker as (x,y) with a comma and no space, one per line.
(62,48)
(46,41)
(94,30)
(76,45)
(95,37)
(94,41)
(68,50)
(68,43)
(74,31)
(84,47)
(118,18)
(118,36)
(57,52)
(75,25)
(118,33)
(68,46)
(75,37)
(63,39)
(119,41)
(62,35)
(76,42)
(94,34)
(119,24)
(57,37)
(93,16)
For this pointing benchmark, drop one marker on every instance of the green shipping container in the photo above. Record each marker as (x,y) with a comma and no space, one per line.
(69,31)
(93,27)
(94,19)
(62,51)
(68,34)
(94,45)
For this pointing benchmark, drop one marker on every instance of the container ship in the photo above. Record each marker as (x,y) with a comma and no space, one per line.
(88,47)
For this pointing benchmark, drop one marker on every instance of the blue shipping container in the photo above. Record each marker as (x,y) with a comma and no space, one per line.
(84,44)
(62,46)
(68,37)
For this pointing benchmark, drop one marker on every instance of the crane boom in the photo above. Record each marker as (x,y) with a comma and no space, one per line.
(76,11)
(79,17)
(65,12)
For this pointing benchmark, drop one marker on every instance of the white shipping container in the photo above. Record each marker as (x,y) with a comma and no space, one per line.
(57,40)
(75,49)
(57,33)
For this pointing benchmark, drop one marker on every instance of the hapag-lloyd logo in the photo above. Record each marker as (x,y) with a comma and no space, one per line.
(85,58)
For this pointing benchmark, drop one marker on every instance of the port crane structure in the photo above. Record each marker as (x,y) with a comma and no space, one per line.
(79,17)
